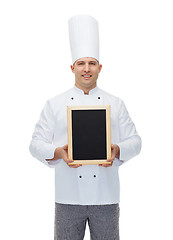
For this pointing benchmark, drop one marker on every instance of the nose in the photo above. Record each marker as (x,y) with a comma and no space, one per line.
(86,67)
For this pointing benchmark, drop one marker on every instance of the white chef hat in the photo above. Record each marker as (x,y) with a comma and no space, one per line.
(84,37)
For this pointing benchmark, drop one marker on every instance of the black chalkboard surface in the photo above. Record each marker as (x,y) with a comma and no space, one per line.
(89,134)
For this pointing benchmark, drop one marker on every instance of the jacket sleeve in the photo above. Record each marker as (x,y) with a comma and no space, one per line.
(41,146)
(130,141)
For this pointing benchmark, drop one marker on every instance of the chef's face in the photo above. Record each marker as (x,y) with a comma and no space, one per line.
(86,72)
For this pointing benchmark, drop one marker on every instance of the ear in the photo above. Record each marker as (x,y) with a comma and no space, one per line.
(100,67)
(72,68)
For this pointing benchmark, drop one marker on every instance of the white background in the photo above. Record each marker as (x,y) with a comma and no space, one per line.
(137,55)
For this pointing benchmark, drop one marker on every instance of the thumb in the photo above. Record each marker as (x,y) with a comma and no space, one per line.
(65,147)
(112,146)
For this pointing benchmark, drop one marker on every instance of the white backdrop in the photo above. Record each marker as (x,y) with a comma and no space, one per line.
(137,55)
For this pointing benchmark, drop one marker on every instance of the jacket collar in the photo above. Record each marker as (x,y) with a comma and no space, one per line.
(80,91)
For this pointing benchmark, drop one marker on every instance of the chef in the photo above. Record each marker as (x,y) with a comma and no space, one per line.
(84,193)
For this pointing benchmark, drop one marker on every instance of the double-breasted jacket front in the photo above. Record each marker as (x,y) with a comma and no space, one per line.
(88,184)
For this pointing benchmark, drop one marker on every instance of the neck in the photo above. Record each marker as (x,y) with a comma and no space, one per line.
(85,89)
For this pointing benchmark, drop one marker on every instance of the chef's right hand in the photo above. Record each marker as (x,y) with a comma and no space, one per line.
(63,152)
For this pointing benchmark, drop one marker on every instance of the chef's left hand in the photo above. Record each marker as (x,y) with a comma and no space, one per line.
(115,153)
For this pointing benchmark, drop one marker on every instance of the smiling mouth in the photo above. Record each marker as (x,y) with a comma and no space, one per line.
(86,76)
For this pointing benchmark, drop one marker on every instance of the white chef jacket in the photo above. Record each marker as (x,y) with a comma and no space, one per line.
(88,184)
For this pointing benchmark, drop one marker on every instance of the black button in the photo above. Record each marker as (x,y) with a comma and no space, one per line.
(80,176)
(94,175)
(98,97)
(72,98)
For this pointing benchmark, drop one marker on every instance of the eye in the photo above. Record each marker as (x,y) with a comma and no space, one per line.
(92,63)
(80,63)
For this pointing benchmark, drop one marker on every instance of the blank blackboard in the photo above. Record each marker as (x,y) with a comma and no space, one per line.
(89,133)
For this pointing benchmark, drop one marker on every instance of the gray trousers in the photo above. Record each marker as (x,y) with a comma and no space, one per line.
(70,221)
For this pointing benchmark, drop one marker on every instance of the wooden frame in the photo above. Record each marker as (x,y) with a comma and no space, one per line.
(107,114)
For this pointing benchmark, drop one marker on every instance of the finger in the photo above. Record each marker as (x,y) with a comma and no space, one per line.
(112,146)
(107,165)
(110,160)
(65,147)
(67,160)
(75,166)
